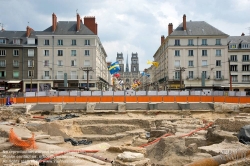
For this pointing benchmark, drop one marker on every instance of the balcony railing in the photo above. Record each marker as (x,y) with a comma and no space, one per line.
(60,76)
(246,80)
(73,77)
(46,77)
(2,65)
(218,78)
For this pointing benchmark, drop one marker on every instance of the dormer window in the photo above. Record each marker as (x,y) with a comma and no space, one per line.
(2,41)
(245,45)
(16,41)
(232,46)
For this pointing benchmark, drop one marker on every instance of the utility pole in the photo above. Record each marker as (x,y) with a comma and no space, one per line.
(87,69)
(230,76)
(32,73)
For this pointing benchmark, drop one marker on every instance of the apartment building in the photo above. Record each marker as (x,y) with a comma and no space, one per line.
(238,53)
(60,57)
(18,57)
(193,50)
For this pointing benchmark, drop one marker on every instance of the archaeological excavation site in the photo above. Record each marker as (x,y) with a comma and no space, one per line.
(125,134)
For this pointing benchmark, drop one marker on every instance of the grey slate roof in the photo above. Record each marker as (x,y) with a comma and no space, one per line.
(238,39)
(63,28)
(67,28)
(197,28)
(10,35)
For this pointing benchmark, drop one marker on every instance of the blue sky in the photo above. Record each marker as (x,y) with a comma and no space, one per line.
(128,25)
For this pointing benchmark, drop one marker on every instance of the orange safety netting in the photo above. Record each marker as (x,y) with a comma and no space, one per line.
(24,144)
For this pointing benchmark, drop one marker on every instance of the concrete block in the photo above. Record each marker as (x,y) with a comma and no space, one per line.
(152,106)
(91,106)
(184,106)
(57,108)
(121,106)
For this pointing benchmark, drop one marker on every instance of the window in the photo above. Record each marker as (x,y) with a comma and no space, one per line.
(30,73)
(73,42)
(46,63)
(218,74)
(46,52)
(204,63)
(233,67)
(244,45)
(218,52)
(30,52)
(245,78)
(204,73)
(16,41)
(60,63)
(134,68)
(60,52)
(30,63)
(245,58)
(177,42)
(73,75)
(60,74)
(190,52)
(73,62)
(15,52)
(245,68)
(233,58)
(73,52)
(2,52)
(177,52)
(204,42)
(31,41)
(46,73)
(134,61)
(176,63)
(191,63)
(127,80)
(46,42)
(15,63)
(87,63)
(2,41)
(86,52)
(218,62)
(190,42)
(204,52)
(234,78)
(15,74)
(177,75)
(87,42)
(60,42)
(233,46)
(2,63)
(2,74)
(217,42)
(190,74)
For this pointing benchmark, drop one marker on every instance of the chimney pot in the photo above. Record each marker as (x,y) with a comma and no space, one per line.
(243,34)
(170,28)
(184,23)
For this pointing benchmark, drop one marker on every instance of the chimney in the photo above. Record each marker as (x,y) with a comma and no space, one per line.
(184,23)
(78,22)
(243,34)
(170,28)
(90,23)
(162,39)
(54,22)
(28,31)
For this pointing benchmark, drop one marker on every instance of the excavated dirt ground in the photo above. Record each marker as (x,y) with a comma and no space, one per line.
(123,132)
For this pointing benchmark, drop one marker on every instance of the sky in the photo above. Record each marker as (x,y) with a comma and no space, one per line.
(128,26)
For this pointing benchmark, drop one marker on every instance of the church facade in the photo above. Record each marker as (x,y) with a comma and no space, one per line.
(128,75)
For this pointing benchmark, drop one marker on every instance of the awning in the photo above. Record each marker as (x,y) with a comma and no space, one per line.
(14,81)
(13,90)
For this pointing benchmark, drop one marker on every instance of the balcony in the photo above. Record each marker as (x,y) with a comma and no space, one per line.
(59,77)
(46,77)
(218,78)
(73,77)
